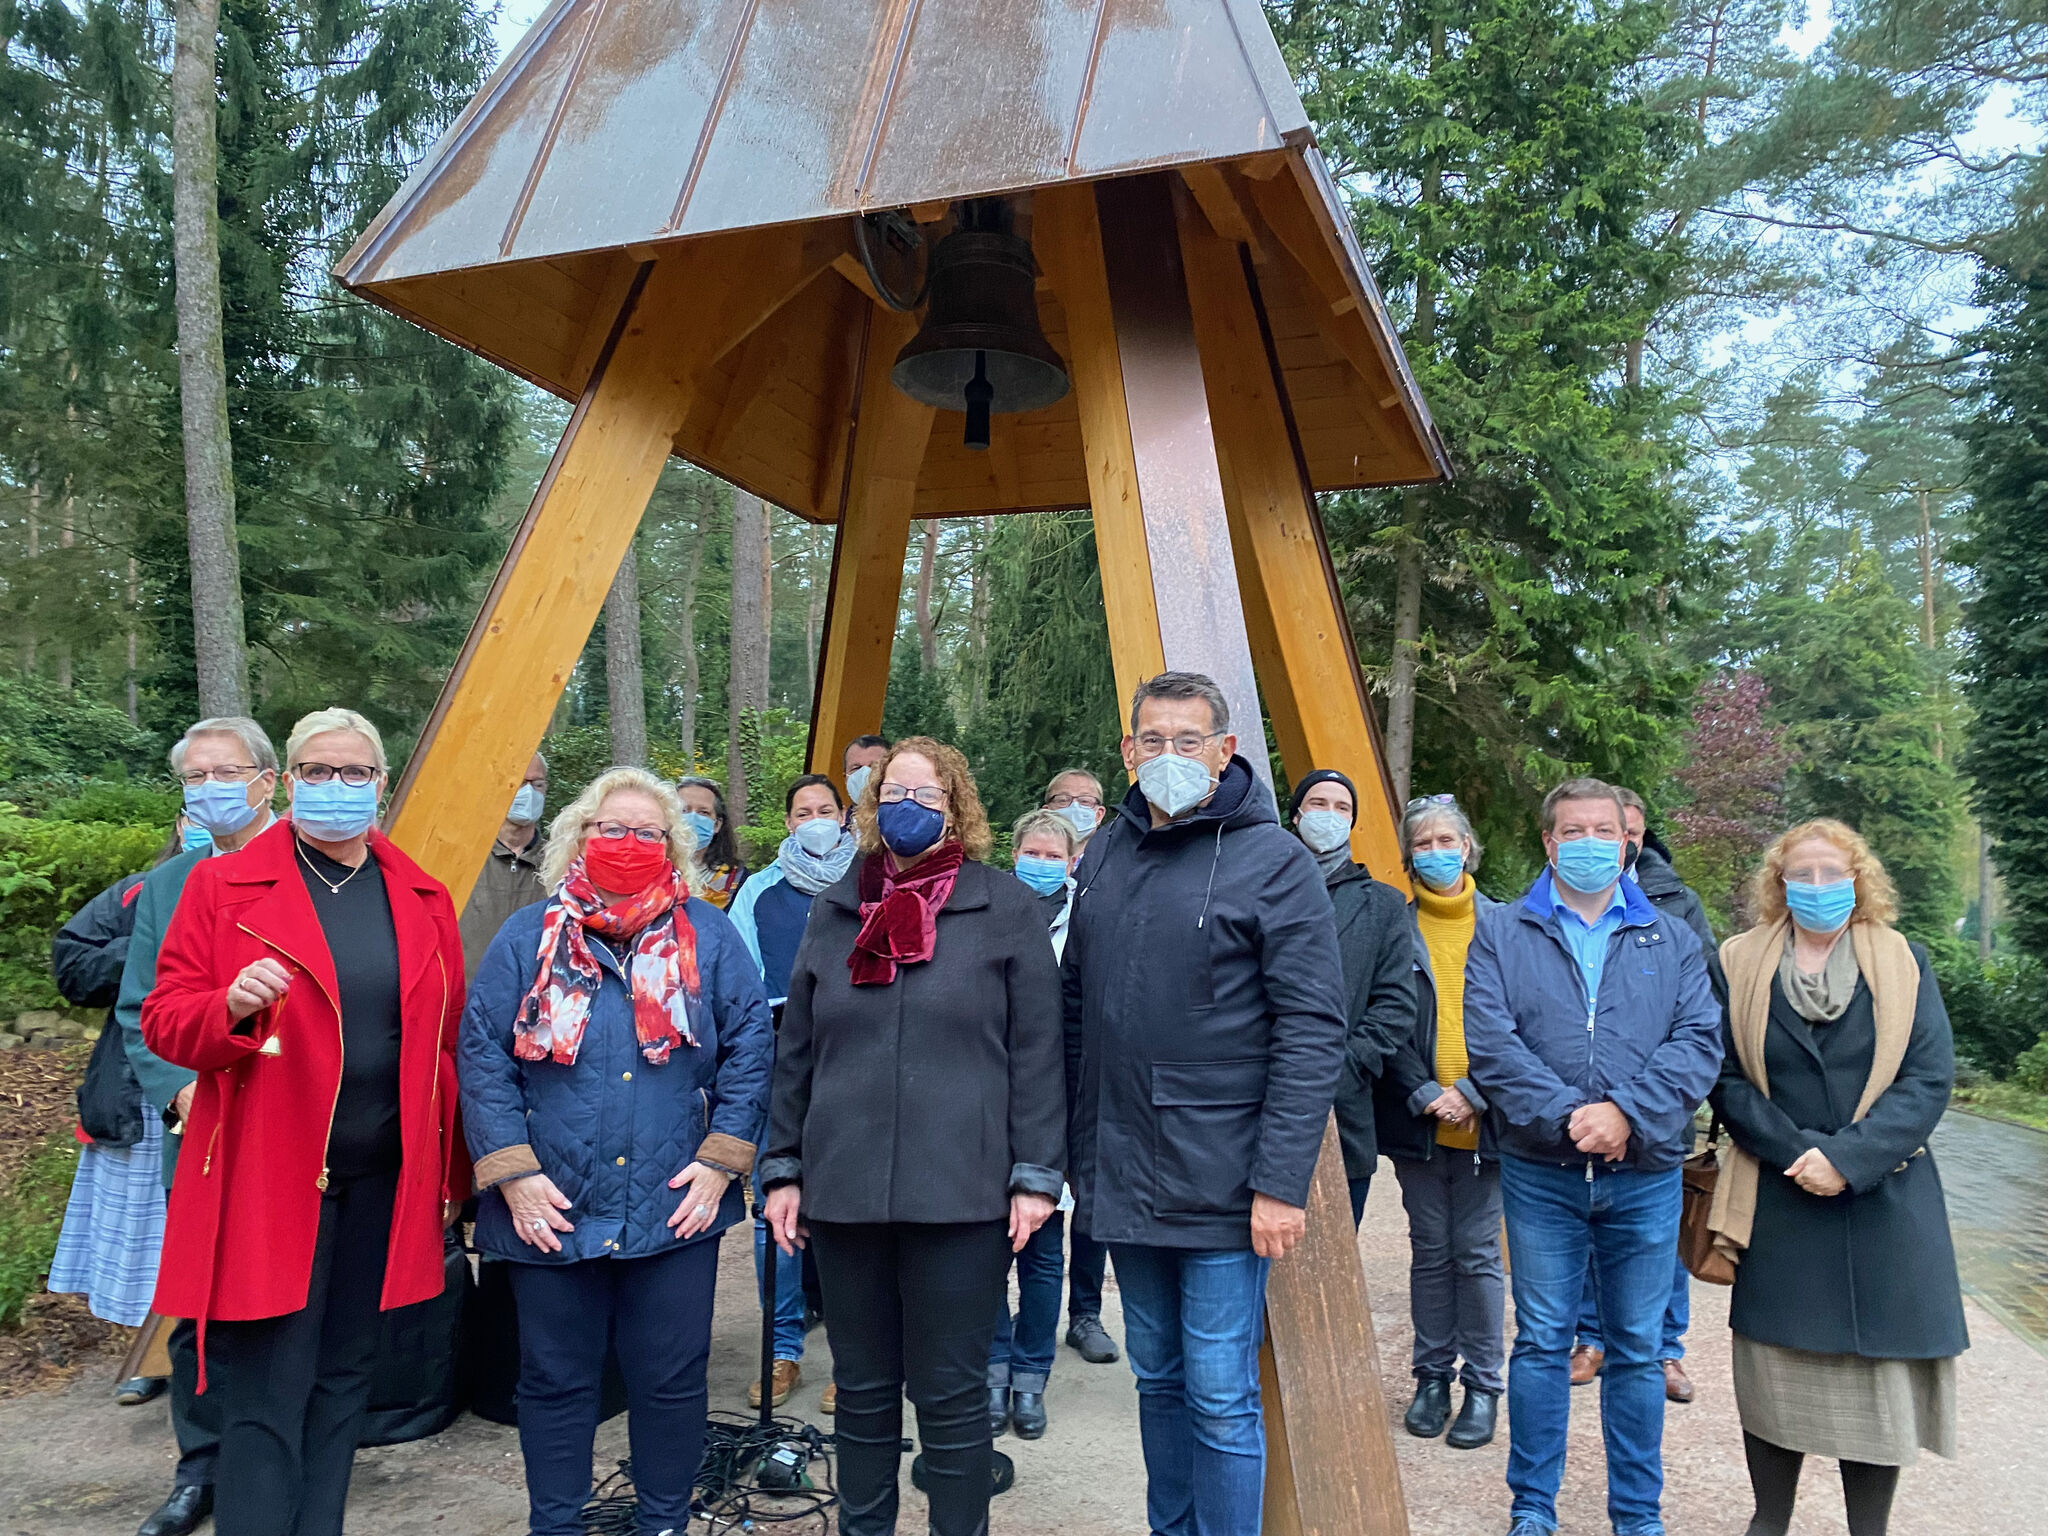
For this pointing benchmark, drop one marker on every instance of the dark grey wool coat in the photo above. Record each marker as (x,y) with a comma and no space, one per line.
(1870,1271)
(935,1097)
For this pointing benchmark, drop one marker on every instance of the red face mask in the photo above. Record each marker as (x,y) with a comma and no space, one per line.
(626,866)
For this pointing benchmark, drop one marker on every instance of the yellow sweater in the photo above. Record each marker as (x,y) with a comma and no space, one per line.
(1446,923)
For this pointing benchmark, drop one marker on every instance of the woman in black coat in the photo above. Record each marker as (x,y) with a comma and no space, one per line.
(1847,1311)
(917,1131)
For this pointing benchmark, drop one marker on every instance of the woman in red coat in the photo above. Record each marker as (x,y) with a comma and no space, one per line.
(314,982)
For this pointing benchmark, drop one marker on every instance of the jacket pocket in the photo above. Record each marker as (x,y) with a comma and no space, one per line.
(1205,1118)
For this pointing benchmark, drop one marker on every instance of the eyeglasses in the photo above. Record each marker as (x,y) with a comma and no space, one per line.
(618,832)
(930,796)
(354,775)
(1421,800)
(1187,744)
(227,773)
(1061,802)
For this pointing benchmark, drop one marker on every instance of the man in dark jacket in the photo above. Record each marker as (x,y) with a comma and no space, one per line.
(1205,1039)
(1379,971)
(1649,864)
(1594,1035)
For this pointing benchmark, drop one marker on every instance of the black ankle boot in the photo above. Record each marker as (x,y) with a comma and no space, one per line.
(1027,1414)
(1475,1420)
(1431,1410)
(998,1411)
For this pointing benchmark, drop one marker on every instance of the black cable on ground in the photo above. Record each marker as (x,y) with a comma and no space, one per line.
(731,1494)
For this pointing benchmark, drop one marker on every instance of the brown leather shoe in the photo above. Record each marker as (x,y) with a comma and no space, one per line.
(829,1403)
(1586,1363)
(1677,1385)
(788,1374)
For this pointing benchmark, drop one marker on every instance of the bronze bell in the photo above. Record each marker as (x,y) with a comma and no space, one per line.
(980,349)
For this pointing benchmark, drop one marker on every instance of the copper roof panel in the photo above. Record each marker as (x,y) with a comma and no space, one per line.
(988,97)
(651,78)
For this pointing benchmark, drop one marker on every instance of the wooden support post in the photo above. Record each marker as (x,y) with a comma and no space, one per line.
(679,317)
(1330,1466)
(1162,536)
(1294,612)
(890,432)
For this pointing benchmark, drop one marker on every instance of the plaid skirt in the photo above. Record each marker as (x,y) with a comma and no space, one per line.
(1851,1407)
(114,1226)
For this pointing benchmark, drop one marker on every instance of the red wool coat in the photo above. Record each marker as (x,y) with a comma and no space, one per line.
(245,1209)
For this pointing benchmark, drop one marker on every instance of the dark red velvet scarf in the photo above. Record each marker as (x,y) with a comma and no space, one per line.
(899,913)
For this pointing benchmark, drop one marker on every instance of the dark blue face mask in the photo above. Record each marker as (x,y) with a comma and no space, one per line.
(909,828)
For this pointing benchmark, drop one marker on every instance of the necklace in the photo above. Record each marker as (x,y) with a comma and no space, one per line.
(333,887)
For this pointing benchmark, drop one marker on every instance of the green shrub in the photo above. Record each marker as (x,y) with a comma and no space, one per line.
(47,732)
(31,1214)
(1996,1011)
(125,803)
(2030,1071)
(48,870)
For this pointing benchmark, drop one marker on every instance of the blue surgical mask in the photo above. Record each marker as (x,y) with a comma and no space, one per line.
(1084,819)
(1441,869)
(1589,864)
(220,808)
(909,828)
(196,837)
(1175,784)
(818,836)
(703,826)
(1043,875)
(334,812)
(857,780)
(527,806)
(1820,908)
(1324,831)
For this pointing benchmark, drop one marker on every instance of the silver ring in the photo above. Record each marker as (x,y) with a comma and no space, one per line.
(538,1224)
(703,1210)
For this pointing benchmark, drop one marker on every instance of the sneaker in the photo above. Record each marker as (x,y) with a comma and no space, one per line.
(788,1376)
(1092,1340)
(139,1389)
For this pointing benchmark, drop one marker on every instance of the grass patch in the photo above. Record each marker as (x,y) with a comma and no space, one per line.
(2004,1101)
(31,1213)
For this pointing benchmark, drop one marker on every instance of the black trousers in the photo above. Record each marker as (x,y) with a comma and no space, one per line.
(292,1390)
(912,1305)
(195,1420)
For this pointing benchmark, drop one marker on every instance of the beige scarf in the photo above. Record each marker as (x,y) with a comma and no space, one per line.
(1751,960)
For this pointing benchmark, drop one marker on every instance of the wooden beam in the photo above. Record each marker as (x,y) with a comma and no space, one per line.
(1067,236)
(1301,639)
(1219,203)
(890,433)
(1330,1467)
(680,316)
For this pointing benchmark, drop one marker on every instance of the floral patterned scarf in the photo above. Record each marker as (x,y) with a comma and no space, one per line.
(662,965)
(899,913)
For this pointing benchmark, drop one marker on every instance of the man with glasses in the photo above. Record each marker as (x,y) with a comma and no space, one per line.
(511,874)
(1205,1037)
(1075,795)
(228,771)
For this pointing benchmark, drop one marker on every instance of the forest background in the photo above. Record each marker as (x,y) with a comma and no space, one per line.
(1732,313)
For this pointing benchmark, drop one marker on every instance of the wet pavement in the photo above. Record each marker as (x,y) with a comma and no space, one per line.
(1995,1177)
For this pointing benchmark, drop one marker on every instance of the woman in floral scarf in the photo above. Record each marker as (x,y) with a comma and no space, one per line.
(615,1060)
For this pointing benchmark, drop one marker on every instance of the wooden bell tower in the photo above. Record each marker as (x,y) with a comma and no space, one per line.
(650,210)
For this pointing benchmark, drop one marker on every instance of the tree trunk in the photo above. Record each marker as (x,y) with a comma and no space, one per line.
(1407,641)
(1927,634)
(693,680)
(977,618)
(625,683)
(218,646)
(35,549)
(1987,893)
(67,538)
(747,688)
(134,614)
(818,575)
(927,573)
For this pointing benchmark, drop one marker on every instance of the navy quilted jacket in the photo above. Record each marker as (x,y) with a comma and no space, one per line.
(612,1129)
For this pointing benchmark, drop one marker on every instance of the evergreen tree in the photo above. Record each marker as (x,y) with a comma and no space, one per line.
(2008,548)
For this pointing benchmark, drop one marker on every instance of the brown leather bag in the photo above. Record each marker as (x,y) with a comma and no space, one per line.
(1696,1248)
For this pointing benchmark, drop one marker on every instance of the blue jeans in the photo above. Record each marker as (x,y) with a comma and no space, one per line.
(1193,1321)
(1628,1221)
(1021,1356)
(1677,1312)
(789,1288)
(1087,1263)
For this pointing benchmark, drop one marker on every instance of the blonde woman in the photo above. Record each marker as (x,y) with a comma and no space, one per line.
(919,1126)
(615,1060)
(1847,1312)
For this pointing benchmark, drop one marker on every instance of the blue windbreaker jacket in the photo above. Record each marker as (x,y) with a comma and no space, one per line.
(1652,1046)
